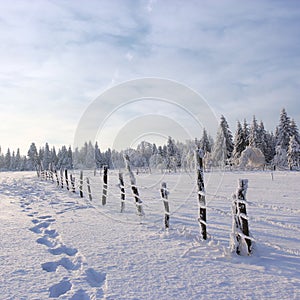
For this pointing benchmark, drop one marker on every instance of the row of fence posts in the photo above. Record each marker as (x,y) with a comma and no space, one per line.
(241,240)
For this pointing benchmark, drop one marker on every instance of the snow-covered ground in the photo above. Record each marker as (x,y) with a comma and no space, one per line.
(55,244)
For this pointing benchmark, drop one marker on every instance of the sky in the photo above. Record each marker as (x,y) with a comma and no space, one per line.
(57,57)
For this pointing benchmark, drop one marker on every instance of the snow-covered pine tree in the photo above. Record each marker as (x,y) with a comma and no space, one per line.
(98,156)
(46,157)
(54,158)
(283,134)
(284,131)
(295,131)
(293,153)
(219,152)
(33,160)
(223,145)
(239,143)
(12,166)
(261,138)
(270,147)
(204,143)
(90,156)
(69,165)
(18,160)
(62,158)
(253,134)
(246,132)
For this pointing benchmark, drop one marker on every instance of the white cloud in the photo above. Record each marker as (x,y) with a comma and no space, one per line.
(57,56)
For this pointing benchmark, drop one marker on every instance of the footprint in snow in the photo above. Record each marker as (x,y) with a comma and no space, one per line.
(44,217)
(60,288)
(45,241)
(64,262)
(80,295)
(52,233)
(63,250)
(39,226)
(94,278)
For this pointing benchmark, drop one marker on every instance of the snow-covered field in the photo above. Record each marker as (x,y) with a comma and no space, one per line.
(55,244)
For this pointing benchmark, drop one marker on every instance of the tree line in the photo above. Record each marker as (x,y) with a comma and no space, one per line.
(250,145)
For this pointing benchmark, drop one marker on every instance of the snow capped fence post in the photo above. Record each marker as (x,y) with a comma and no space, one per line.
(104,193)
(61,178)
(240,239)
(199,154)
(164,195)
(57,179)
(89,188)
(67,179)
(122,188)
(72,182)
(81,184)
(134,188)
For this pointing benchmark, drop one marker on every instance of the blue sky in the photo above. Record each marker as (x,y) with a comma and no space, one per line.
(56,57)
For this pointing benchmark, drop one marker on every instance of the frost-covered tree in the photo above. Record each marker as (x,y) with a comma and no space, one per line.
(252,157)
(261,138)
(219,154)
(18,160)
(205,143)
(240,142)
(98,156)
(246,132)
(12,166)
(54,159)
(69,159)
(280,158)
(107,158)
(90,156)
(223,146)
(284,131)
(270,147)
(253,133)
(145,150)
(294,130)
(46,157)
(33,158)
(293,153)
(171,157)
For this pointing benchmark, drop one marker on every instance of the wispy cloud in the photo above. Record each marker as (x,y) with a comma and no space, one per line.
(57,56)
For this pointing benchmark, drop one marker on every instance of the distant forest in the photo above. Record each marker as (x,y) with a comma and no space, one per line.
(249,147)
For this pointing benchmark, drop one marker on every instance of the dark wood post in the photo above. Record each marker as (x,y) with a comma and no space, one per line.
(199,154)
(134,188)
(57,179)
(240,224)
(72,182)
(81,184)
(67,179)
(104,193)
(164,195)
(61,178)
(122,188)
(89,188)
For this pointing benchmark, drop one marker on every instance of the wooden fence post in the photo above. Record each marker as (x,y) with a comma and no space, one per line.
(72,182)
(122,188)
(240,229)
(104,193)
(164,195)
(56,175)
(81,184)
(199,154)
(67,179)
(138,201)
(89,188)
(61,178)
